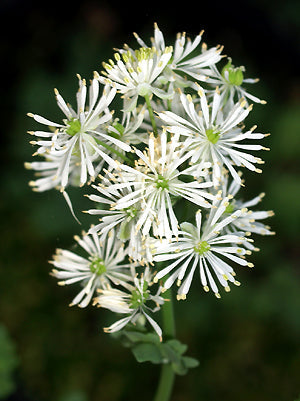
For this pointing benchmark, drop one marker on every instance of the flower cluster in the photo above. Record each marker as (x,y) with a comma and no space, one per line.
(166,171)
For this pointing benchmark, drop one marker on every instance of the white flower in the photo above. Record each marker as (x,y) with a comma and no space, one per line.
(183,61)
(155,183)
(122,220)
(80,140)
(205,247)
(98,269)
(230,81)
(132,302)
(213,136)
(109,195)
(247,222)
(135,72)
(140,247)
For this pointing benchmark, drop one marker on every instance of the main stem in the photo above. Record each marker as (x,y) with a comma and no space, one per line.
(167,375)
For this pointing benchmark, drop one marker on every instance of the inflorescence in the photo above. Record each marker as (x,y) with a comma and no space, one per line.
(166,171)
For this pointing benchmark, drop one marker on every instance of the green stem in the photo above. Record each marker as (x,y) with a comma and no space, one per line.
(113,150)
(151,115)
(168,315)
(167,375)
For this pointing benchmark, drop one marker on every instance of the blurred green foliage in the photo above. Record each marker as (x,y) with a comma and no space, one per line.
(8,363)
(74,396)
(247,342)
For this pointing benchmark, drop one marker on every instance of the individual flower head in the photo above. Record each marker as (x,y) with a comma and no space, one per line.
(80,140)
(204,247)
(249,222)
(101,266)
(183,60)
(156,182)
(214,136)
(111,190)
(132,302)
(230,81)
(140,248)
(134,73)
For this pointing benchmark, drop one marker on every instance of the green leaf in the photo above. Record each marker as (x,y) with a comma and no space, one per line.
(146,347)
(178,346)
(147,352)
(179,368)
(190,362)
(171,355)
(136,336)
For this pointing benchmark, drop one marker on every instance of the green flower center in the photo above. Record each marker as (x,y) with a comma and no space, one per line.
(131,211)
(138,298)
(212,135)
(235,75)
(97,266)
(202,247)
(162,182)
(74,127)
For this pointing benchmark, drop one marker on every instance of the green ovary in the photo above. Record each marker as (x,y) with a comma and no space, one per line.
(235,74)
(74,127)
(138,298)
(162,182)
(229,209)
(131,211)
(236,77)
(212,135)
(202,247)
(97,266)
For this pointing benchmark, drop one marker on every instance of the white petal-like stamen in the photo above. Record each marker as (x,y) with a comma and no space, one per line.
(75,149)
(98,269)
(196,246)
(132,302)
(211,135)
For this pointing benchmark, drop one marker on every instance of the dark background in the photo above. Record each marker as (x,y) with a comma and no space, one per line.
(247,342)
